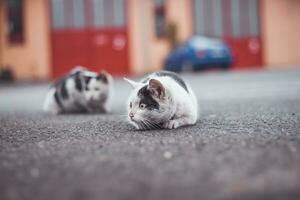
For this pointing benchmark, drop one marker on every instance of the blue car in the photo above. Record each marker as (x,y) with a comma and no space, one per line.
(199,53)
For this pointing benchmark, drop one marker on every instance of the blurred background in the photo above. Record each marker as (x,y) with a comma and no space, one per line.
(43,39)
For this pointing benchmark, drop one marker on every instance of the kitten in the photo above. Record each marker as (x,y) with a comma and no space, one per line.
(80,91)
(162,100)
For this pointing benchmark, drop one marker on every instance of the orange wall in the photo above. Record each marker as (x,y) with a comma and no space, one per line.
(147,52)
(29,60)
(281,32)
(1,34)
(181,13)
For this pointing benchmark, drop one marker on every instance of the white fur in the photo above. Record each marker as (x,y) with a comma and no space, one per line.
(50,106)
(90,100)
(177,108)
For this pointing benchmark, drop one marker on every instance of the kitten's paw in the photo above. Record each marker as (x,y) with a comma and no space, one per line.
(172,124)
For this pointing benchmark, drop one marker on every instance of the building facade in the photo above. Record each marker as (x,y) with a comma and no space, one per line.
(43,39)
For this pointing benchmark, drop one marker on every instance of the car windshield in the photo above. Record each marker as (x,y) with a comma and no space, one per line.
(202,43)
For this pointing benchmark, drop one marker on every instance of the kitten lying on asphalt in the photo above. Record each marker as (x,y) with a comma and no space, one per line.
(81,91)
(161,100)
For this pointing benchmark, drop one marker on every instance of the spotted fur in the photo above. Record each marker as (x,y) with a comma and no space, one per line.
(80,91)
(162,100)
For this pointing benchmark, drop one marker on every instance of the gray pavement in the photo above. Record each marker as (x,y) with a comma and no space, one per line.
(246,145)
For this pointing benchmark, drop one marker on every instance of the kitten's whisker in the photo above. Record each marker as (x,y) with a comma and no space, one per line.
(149,125)
(153,125)
(139,125)
(142,125)
(146,125)
(157,126)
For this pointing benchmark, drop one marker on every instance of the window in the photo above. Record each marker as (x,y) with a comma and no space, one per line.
(80,14)
(160,18)
(227,18)
(15,21)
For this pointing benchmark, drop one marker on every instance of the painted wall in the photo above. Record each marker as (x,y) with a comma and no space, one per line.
(1,34)
(147,52)
(29,60)
(281,32)
(181,14)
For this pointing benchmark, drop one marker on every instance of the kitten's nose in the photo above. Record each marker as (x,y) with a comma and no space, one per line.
(131,115)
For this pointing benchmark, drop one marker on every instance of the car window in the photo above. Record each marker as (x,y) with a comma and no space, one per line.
(203,43)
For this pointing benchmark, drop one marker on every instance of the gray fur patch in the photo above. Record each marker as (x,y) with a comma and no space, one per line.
(147,99)
(64,91)
(174,76)
(78,83)
(57,99)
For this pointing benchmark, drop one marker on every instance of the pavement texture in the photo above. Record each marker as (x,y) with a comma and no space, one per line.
(245,145)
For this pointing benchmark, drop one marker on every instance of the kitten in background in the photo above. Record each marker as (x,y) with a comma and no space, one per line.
(80,91)
(161,100)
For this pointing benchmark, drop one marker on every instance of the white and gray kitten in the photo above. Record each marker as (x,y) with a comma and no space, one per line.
(162,100)
(81,91)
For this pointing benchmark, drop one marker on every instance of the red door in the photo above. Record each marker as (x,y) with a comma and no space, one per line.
(237,23)
(90,33)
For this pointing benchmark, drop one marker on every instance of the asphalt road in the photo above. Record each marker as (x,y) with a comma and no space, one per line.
(246,145)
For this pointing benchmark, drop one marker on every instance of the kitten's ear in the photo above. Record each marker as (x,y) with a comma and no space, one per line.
(156,88)
(103,72)
(132,83)
(104,76)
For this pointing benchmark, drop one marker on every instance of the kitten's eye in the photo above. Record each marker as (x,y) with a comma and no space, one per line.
(97,89)
(130,105)
(142,106)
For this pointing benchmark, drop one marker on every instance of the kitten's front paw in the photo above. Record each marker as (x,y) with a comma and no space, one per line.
(172,124)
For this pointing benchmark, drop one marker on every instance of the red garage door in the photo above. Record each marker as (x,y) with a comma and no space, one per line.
(91,33)
(236,22)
